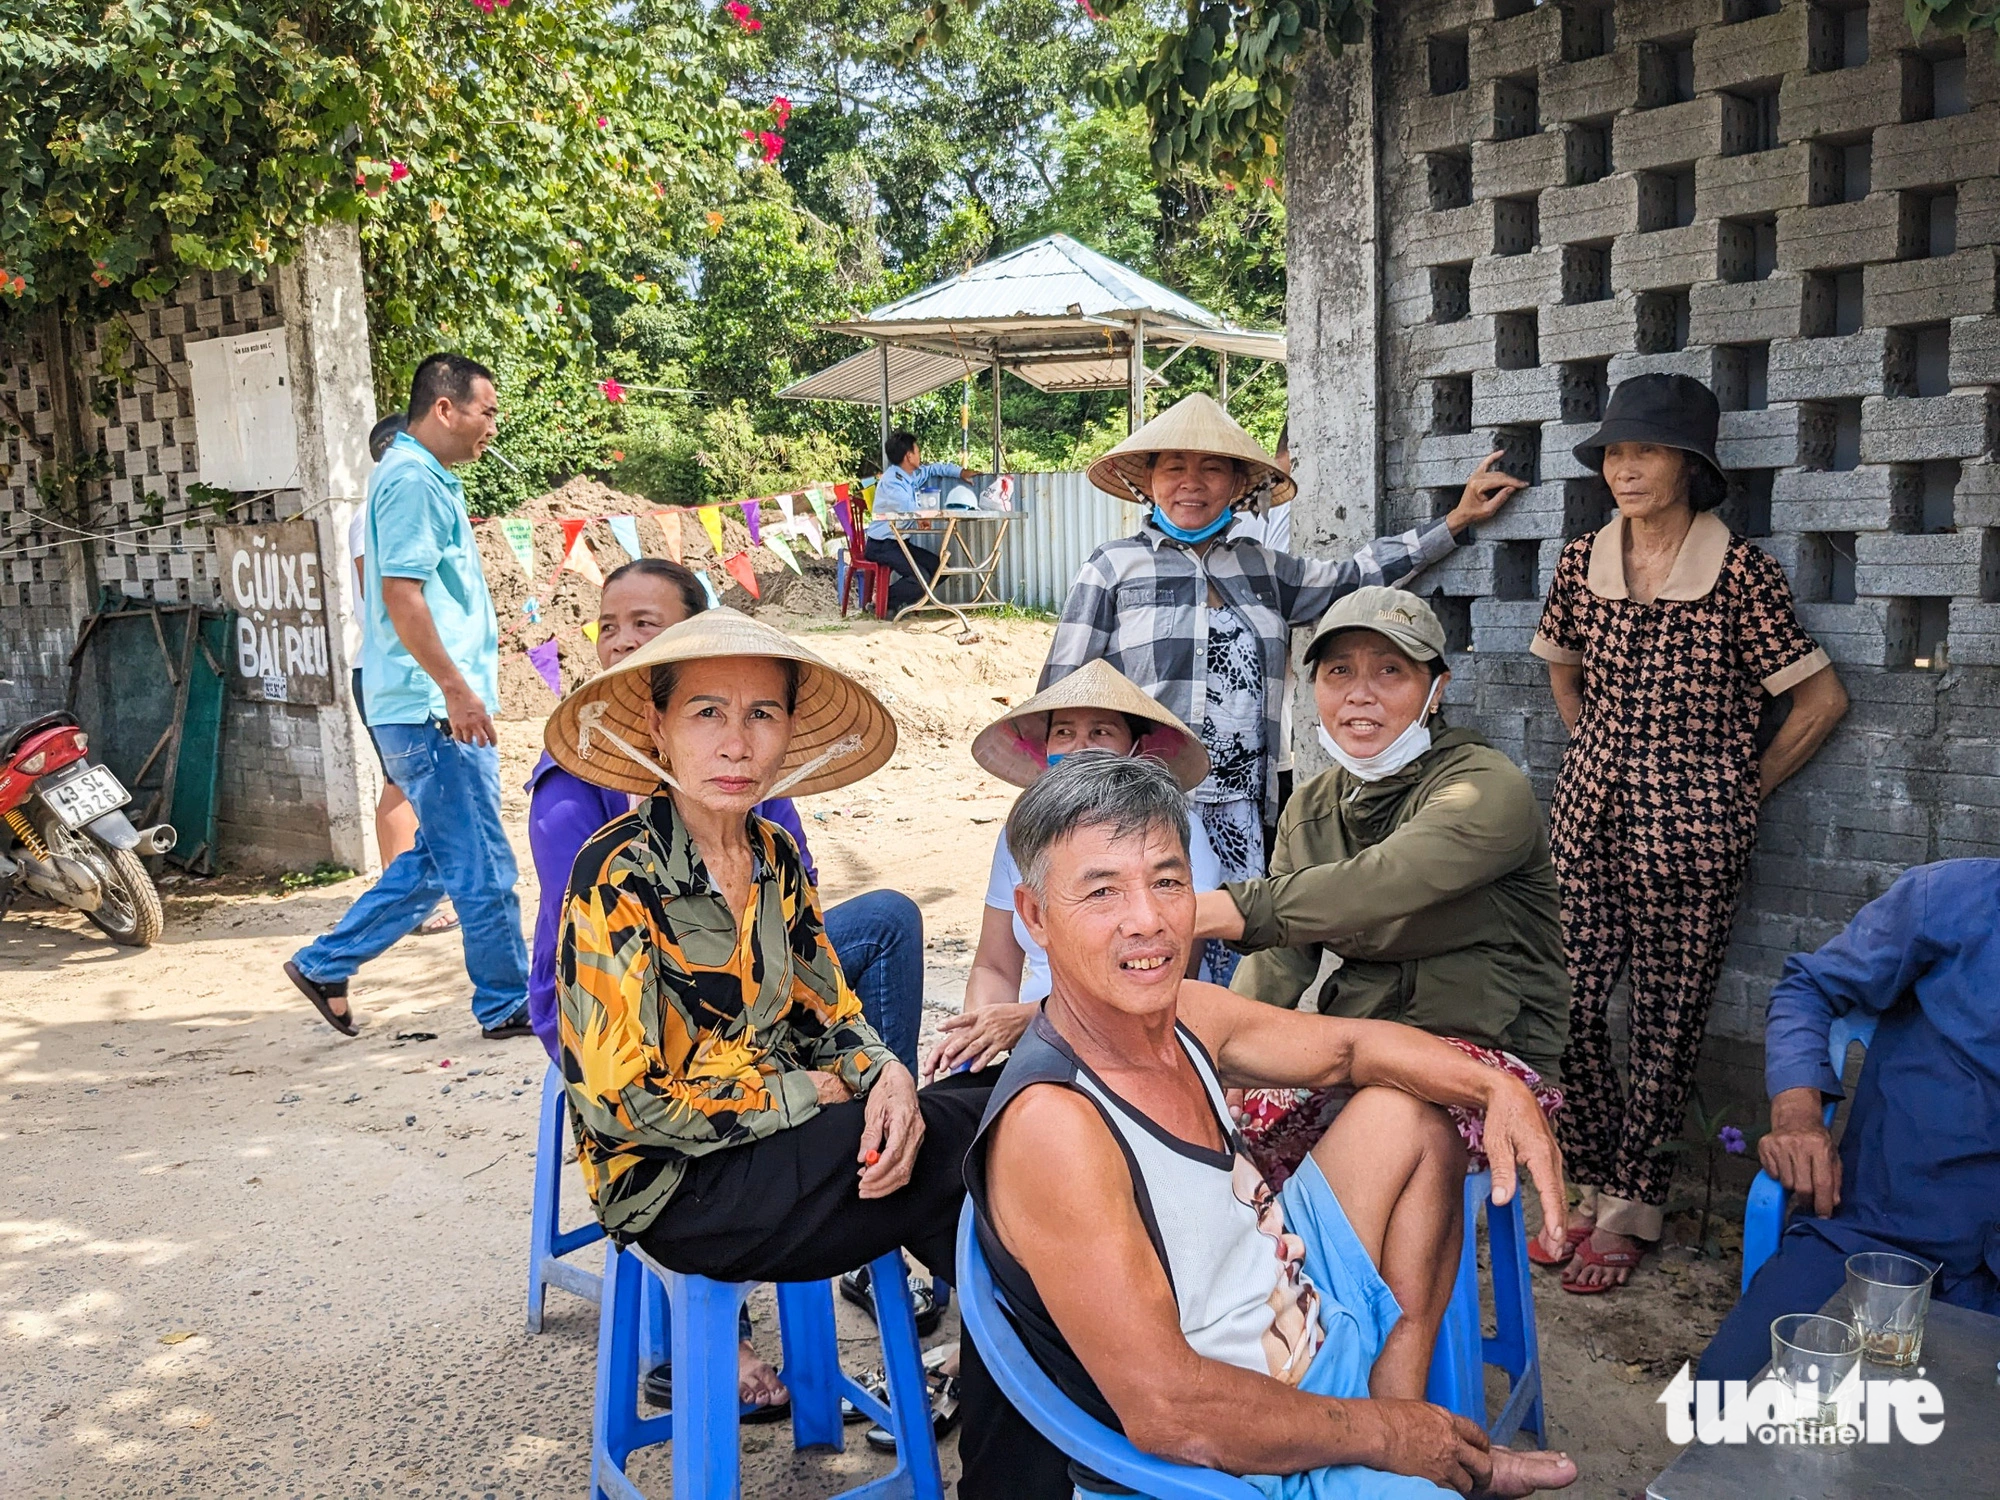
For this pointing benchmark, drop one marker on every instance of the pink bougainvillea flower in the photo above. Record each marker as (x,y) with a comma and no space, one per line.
(485,6)
(1228,187)
(613,391)
(741,12)
(1271,183)
(602,122)
(781,110)
(397,171)
(770,144)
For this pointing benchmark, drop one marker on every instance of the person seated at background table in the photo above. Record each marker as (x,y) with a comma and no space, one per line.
(1917,1171)
(736,1115)
(1199,613)
(1157,1278)
(1094,709)
(1418,860)
(896,493)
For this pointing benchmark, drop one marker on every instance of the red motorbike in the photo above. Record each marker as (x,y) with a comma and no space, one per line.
(64,834)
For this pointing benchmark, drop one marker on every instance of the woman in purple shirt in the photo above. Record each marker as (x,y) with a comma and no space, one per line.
(878,936)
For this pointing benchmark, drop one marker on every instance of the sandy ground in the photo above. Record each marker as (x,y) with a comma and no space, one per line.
(242,1255)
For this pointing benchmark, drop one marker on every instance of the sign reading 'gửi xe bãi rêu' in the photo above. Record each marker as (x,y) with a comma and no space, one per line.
(271,576)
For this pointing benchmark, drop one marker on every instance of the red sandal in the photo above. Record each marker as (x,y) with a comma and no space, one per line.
(1576,1236)
(1615,1260)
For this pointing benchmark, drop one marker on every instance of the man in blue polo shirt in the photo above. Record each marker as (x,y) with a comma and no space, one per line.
(896,493)
(430,668)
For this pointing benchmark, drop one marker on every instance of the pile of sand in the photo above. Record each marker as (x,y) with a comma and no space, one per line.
(562,609)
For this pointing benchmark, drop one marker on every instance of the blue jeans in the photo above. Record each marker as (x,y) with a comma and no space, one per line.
(878,937)
(461,852)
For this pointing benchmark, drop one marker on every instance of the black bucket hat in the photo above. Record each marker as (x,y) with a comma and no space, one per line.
(1674,411)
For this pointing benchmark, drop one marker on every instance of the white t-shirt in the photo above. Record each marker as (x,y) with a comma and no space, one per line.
(1035,982)
(357,543)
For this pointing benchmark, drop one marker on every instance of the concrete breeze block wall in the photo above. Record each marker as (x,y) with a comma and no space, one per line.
(272,800)
(1798,204)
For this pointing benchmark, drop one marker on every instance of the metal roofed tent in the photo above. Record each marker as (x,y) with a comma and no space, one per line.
(1054,313)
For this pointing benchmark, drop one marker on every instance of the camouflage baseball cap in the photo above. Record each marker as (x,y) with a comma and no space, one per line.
(1408,622)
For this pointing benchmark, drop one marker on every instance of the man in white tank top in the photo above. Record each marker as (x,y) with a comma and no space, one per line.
(1153,1273)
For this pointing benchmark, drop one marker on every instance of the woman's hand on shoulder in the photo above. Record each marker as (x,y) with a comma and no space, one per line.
(978,1036)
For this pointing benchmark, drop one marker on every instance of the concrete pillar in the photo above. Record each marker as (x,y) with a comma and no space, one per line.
(320,297)
(1332,311)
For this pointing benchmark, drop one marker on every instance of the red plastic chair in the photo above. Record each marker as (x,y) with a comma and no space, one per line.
(872,576)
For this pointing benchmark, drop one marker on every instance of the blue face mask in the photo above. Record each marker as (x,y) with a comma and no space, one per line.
(1214,528)
(1055,758)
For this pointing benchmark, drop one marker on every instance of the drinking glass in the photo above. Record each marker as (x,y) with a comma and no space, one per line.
(1890,1294)
(1813,1354)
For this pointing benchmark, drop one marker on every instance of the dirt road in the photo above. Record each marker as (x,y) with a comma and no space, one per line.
(243,1255)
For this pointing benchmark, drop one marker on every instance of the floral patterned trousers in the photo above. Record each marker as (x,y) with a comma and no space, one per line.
(1629,911)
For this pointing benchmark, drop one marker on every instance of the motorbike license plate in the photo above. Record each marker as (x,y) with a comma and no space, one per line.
(86,798)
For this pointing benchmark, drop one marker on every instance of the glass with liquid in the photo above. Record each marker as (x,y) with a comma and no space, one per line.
(1889,1295)
(1813,1355)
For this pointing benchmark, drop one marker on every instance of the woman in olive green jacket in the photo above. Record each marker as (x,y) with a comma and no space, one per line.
(1419,860)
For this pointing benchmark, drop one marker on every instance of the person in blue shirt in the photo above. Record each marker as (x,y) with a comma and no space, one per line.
(430,669)
(896,491)
(1917,1171)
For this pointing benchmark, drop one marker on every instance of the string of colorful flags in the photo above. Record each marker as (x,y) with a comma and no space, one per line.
(805,517)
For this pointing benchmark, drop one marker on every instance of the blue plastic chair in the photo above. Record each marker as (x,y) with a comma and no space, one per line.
(1766,1209)
(549,1243)
(1457,1379)
(704,1422)
(1053,1414)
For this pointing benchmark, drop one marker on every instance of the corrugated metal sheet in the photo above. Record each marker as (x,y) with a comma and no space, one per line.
(1068,519)
(1043,279)
(912,373)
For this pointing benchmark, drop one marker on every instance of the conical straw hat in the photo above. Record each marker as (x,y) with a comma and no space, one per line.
(1014,747)
(837,722)
(1194,425)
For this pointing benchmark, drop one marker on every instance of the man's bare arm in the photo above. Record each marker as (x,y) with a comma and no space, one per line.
(1061,1199)
(404,599)
(1259,1046)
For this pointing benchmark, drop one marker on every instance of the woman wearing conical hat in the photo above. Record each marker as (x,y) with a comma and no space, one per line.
(1094,708)
(736,1116)
(1201,617)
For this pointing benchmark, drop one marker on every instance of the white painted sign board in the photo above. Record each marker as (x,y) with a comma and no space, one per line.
(271,577)
(243,426)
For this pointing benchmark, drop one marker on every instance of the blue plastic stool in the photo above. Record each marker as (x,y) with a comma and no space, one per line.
(1457,1379)
(1053,1414)
(704,1421)
(1764,1211)
(549,1244)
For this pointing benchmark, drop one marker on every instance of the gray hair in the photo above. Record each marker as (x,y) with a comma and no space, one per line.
(1090,789)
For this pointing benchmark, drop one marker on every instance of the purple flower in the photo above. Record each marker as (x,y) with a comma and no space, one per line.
(1732,1140)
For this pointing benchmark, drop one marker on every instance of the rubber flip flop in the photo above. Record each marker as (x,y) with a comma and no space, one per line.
(944,1414)
(444,921)
(1571,1240)
(320,995)
(658,1390)
(1615,1260)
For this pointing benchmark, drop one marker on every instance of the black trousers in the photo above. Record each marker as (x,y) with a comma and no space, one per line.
(904,589)
(789,1208)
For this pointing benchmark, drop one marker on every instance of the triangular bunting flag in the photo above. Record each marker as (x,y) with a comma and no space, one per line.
(590,630)
(711,522)
(776,542)
(808,527)
(669,522)
(816,498)
(845,512)
(752,519)
(581,561)
(626,530)
(545,658)
(789,504)
(708,588)
(738,566)
(520,536)
(571,530)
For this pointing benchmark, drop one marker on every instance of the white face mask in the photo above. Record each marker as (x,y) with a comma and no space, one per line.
(1400,752)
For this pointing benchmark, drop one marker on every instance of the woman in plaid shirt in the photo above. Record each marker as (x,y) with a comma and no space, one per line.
(1199,613)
